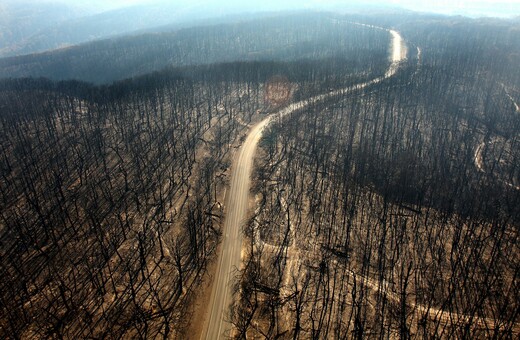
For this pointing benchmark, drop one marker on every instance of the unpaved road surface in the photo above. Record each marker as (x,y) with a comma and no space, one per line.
(217,324)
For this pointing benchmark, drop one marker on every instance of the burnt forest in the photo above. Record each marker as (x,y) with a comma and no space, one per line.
(278,175)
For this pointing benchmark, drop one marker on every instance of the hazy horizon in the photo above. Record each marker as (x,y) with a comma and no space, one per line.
(479,8)
(30,26)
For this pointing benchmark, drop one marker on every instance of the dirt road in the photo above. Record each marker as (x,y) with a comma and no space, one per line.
(217,325)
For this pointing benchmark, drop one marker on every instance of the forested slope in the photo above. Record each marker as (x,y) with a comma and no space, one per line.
(280,38)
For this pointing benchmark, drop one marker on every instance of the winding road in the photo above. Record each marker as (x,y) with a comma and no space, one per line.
(217,325)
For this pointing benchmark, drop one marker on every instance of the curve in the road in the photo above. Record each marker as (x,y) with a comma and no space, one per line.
(479,151)
(217,324)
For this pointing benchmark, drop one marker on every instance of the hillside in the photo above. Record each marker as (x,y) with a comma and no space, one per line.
(272,39)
